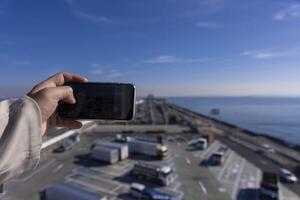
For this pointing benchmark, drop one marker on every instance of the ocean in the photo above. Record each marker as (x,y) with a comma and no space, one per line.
(275,116)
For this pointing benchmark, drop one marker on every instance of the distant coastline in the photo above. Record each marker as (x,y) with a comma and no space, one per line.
(249,132)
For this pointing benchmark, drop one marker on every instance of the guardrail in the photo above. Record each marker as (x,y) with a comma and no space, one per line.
(63,135)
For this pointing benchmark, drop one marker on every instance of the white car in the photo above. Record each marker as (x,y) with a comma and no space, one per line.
(269,148)
(288,176)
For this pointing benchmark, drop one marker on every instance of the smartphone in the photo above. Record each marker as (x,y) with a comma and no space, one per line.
(107,101)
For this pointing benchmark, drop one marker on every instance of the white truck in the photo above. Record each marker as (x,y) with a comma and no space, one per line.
(122,148)
(64,191)
(105,154)
(154,173)
(148,148)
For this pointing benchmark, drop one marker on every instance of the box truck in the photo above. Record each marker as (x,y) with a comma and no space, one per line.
(153,173)
(148,148)
(105,154)
(122,148)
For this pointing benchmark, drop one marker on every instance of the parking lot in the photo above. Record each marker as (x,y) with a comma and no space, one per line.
(236,178)
(240,178)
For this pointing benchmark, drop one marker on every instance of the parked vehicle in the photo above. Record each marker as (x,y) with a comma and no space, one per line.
(68,144)
(140,191)
(105,154)
(269,189)
(209,137)
(217,158)
(153,173)
(148,148)
(287,176)
(122,148)
(222,148)
(158,139)
(200,143)
(64,191)
(268,148)
(122,138)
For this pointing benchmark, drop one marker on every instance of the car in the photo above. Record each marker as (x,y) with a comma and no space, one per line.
(222,148)
(269,148)
(216,159)
(288,176)
(68,144)
(142,192)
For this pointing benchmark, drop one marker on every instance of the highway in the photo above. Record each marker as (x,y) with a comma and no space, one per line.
(262,162)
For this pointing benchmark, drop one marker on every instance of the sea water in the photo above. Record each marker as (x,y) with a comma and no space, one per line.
(275,116)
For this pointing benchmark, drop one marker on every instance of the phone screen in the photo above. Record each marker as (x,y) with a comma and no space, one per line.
(111,101)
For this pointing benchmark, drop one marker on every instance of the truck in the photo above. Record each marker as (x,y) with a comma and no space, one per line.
(158,139)
(269,189)
(104,154)
(148,148)
(209,137)
(154,173)
(122,148)
(64,191)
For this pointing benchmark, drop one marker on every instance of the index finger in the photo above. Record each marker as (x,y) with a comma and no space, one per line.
(59,79)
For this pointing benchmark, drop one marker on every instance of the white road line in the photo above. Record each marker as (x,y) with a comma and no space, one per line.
(188,161)
(36,171)
(237,181)
(89,185)
(228,161)
(202,187)
(118,187)
(57,168)
(258,177)
(263,162)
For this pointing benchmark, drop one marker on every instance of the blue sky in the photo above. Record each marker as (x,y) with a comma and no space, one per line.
(165,47)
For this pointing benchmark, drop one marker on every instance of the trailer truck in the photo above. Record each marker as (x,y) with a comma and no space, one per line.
(122,148)
(64,191)
(105,154)
(269,189)
(148,148)
(154,173)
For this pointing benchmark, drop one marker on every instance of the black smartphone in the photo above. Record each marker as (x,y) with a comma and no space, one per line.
(107,101)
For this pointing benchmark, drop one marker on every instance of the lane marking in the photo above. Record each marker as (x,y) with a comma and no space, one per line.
(263,162)
(238,179)
(89,185)
(36,171)
(228,161)
(202,187)
(57,168)
(188,161)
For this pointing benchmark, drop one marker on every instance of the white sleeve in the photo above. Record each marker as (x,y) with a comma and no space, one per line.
(20,137)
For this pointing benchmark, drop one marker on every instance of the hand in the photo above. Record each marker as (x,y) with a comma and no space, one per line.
(49,93)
